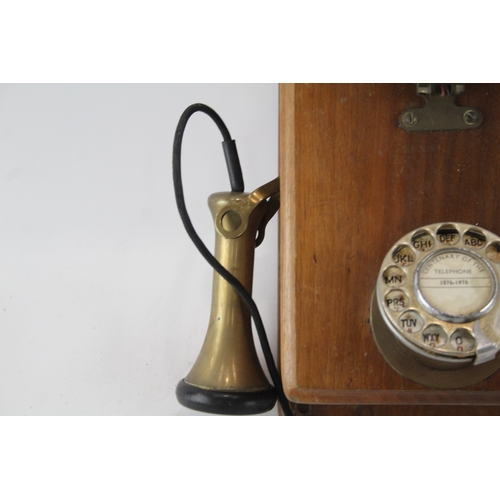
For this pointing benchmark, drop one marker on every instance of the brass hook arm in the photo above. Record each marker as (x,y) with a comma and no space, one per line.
(270,190)
(265,191)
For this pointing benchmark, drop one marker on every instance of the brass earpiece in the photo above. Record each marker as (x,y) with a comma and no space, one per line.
(227,377)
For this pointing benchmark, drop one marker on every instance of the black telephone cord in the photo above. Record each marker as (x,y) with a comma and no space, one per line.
(236,181)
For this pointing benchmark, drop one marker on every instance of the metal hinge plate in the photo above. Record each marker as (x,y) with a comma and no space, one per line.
(440,111)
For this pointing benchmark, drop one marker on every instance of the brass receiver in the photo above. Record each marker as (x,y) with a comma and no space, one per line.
(227,377)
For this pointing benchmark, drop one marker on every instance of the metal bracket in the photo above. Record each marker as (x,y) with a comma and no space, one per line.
(440,111)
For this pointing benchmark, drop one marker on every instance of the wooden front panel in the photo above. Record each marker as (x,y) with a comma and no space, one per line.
(352,184)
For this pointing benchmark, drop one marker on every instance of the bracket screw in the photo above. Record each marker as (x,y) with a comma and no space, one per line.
(470,117)
(410,119)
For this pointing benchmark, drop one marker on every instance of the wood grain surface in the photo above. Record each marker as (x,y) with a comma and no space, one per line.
(352,184)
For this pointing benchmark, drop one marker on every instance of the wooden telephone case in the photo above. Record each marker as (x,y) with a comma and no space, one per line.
(352,183)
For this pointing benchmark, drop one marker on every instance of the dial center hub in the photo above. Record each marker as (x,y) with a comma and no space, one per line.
(455,285)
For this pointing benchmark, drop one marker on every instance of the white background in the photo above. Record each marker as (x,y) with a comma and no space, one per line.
(104,301)
(93,257)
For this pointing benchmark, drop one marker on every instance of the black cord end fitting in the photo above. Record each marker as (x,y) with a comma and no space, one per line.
(233,166)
